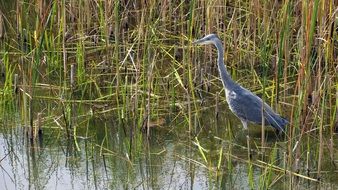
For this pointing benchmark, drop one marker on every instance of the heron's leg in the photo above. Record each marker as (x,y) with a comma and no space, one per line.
(245,124)
(243,131)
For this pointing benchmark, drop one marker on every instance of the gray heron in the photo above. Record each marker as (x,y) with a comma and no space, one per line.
(247,106)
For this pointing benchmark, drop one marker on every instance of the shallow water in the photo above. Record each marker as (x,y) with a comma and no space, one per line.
(103,160)
(100,156)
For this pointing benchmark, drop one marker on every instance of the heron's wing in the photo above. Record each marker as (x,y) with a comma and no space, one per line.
(248,106)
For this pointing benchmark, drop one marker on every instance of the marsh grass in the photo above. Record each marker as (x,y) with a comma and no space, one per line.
(135,61)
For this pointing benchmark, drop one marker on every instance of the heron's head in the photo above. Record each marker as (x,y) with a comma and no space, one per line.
(208,39)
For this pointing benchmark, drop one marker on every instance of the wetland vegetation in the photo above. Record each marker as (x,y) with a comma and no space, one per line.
(112,95)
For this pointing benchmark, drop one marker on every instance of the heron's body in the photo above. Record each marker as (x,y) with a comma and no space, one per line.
(244,104)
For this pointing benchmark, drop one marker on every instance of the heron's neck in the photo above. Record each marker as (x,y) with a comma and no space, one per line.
(226,79)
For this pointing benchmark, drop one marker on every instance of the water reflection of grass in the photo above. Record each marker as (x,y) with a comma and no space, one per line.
(65,64)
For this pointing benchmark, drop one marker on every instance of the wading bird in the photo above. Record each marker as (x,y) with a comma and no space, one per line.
(244,104)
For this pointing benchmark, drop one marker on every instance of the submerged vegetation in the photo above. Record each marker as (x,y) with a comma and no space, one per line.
(123,76)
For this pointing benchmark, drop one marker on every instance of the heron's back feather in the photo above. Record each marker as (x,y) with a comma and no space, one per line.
(249,107)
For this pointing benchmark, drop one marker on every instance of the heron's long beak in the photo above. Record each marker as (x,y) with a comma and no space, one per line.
(196,42)
(200,41)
